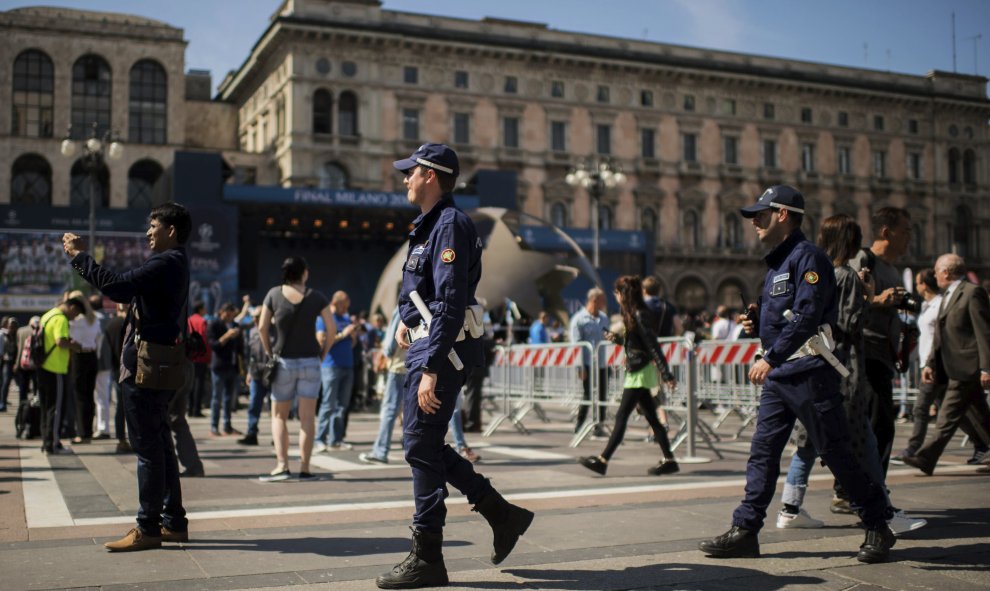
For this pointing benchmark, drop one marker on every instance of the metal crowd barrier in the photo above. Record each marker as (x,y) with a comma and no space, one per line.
(533,375)
(723,384)
(679,353)
(713,374)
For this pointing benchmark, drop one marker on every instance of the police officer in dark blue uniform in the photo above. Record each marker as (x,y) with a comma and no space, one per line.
(798,301)
(442,270)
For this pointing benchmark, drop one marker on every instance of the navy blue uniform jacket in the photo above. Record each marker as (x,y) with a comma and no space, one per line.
(443,265)
(801,279)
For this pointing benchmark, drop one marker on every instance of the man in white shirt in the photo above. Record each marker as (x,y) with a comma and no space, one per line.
(926,286)
(589,324)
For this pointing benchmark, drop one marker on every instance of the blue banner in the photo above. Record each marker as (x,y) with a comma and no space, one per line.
(328,197)
(545,238)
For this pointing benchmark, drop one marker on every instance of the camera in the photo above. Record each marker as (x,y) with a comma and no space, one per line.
(910,303)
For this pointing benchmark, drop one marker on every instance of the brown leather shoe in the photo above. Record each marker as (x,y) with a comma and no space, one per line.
(174,536)
(133,542)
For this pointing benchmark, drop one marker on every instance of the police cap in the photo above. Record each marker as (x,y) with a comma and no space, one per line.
(778,197)
(436,156)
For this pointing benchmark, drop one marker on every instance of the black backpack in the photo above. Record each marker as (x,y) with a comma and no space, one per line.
(195,345)
(39,355)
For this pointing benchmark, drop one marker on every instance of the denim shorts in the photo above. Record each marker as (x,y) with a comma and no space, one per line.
(296,377)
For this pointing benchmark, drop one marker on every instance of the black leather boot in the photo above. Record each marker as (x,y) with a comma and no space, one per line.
(738,542)
(876,547)
(423,567)
(508,522)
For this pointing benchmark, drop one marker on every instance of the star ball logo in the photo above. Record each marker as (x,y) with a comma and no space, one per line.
(205,242)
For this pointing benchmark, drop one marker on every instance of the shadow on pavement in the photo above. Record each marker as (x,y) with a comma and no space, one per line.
(328,547)
(652,576)
(18,479)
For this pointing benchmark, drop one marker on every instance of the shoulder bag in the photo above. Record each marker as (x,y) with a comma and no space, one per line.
(160,367)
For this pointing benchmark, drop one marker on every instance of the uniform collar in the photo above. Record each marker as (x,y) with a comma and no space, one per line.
(780,252)
(447,200)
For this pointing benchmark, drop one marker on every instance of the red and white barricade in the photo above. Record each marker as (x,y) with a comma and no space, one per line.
(679,353)
(534,376)
(723,380)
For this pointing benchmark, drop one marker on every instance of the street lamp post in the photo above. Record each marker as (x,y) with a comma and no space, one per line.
(596,179)
(96,149)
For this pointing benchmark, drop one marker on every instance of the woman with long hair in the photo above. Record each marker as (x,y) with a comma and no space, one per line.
(643,359)
(841,238)
(293,309)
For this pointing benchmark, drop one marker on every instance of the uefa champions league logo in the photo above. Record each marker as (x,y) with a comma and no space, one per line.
(205,242)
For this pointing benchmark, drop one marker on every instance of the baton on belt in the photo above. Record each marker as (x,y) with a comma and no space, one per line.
(417,301)
(818,345)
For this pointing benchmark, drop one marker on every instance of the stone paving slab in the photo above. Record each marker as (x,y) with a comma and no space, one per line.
(587,535)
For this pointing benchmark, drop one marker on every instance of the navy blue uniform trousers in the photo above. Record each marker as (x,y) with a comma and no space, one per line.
(434,464)
(813,397)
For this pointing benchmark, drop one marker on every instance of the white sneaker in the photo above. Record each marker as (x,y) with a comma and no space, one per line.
(319,447)
(367,458)
(342,446)
(800,520)
(902,523)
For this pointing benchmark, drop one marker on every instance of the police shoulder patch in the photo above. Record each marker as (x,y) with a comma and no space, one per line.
(448,255)
(811,277)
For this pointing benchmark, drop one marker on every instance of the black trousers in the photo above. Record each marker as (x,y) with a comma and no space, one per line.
(471,410)
(200,391)
(83,369)
(185,445)
(51,392)
(631,397)
(882,415)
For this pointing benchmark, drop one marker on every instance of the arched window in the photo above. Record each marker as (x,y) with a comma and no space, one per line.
(141,181)
(969,167)
(332,176)
(558,214)
(34,84)
(604,217)
(149,95)
(347,111)
(322,111)
(691,295)
(91,85)
(953,166)
(964,233)
(31,181)
(691,229)
(733,232)
(86,183)
(649,223)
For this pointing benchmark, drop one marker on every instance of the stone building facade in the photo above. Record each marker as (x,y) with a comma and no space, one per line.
(63,68)
(335,90)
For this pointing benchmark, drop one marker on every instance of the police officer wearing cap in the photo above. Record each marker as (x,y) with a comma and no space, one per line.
(798,301)
(443,267)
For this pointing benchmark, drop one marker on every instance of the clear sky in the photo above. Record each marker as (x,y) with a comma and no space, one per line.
(910,36)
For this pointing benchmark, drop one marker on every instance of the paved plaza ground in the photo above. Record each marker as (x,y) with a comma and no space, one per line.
(625,531)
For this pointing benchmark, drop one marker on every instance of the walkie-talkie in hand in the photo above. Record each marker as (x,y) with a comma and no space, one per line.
(750,313)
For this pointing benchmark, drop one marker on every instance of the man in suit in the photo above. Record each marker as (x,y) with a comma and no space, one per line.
(961,355)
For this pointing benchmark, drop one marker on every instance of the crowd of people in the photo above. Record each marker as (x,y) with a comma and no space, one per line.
(830,319)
